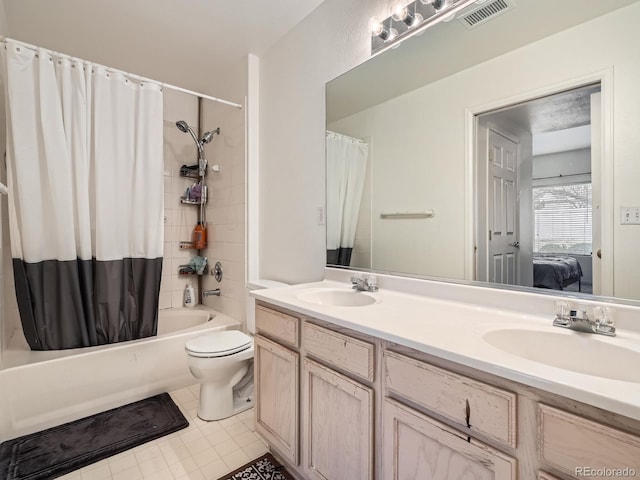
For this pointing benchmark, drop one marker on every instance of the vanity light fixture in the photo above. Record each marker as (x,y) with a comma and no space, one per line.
(401,13)
(379,30)
(411,18)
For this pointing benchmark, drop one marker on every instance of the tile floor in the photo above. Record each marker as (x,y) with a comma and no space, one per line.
(202,451)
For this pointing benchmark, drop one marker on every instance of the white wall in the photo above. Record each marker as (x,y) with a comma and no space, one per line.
(226,208)
(292,122)
(6,327)
(293,74)
(572,162)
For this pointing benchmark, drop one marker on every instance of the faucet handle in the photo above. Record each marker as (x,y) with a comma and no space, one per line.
(603,317)
(356,278)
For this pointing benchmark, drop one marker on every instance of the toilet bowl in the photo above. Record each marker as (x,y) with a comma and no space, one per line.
(219,360)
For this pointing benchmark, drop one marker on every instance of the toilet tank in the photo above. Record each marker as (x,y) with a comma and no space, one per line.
(251,302)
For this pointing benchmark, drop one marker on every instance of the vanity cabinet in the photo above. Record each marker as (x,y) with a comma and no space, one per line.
(276,380)
(476,407)
(568,442)
(415,446)
(339,429)
(334,403)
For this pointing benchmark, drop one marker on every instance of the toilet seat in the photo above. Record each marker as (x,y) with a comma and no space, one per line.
(218,344)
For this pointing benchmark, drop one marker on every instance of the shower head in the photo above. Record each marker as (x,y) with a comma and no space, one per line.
(184,128)
(206,138)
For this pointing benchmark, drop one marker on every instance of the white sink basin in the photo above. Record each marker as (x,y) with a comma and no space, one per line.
(575,351)
(336,297)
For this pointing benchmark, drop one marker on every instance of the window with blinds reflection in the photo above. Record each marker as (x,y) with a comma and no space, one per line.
(563,220)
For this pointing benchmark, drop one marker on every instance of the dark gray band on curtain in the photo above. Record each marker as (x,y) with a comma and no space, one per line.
(82,303)
(339,256)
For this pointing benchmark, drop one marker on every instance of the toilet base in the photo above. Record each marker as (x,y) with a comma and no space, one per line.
(240,404)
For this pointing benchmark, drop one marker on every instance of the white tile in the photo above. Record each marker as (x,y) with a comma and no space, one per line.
(175,454)
(195,475)
(153,465)
(71,476)
(227,447)
(215,470)
(210,429)
(183,467)
(191,434)
(132,473)
(99,472)
(206,457)
(198,445)
(118,464)
(235,459)
(236,429)
(246,438)
(147,452)
(159,475)
(219,437)
(255,449)
(229,421)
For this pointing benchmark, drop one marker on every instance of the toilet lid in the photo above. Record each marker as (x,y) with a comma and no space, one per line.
(221,343)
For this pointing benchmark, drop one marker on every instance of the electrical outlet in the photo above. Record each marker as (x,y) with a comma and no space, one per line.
(320,215)
(630,216)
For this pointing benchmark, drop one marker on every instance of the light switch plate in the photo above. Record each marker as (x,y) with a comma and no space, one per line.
(629,215)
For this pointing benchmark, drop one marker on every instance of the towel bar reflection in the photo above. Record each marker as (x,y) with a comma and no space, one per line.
(409,214)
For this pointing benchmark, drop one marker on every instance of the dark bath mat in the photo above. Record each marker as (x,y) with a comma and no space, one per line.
(264,468)
(65,448)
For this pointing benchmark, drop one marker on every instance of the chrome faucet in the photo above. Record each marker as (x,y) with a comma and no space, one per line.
(211,293)
(362,284)
(577,318)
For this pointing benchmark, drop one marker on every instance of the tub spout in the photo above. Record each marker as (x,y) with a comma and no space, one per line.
(209,293)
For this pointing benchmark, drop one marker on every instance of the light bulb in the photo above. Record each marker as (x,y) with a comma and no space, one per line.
(399,11)
(375,26)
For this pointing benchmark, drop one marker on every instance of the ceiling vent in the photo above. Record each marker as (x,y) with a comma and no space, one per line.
(483,13)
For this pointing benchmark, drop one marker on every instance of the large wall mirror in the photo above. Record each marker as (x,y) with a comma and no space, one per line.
(506,153)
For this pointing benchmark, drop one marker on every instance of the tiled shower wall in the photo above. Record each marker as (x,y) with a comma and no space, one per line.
(225,210)
(180,220)
(225,213)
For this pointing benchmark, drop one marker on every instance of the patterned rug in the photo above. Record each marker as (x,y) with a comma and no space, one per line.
(263,468)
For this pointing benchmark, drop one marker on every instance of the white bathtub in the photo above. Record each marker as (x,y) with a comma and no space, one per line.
(39,390)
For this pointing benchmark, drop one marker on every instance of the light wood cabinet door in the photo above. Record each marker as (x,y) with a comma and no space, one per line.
(415,446)
(277,395)
(339,433)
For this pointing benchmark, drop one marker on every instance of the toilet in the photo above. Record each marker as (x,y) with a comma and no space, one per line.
(219,361)
(223,364)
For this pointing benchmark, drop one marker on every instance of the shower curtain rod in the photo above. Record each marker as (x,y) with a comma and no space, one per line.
(130,75)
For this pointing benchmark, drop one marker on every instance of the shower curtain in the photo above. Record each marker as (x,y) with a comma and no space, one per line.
(346,168)
(84,167)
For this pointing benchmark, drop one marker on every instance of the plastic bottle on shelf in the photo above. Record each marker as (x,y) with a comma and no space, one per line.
(189,295)
(199,240)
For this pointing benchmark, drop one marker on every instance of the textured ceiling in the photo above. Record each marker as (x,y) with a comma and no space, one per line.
(192,43)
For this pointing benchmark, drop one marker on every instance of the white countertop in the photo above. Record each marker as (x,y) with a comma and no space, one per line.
(454,331)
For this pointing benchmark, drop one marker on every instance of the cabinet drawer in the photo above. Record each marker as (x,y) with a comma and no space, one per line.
(546,476)
(277,325)
(569,443)
(342,351)
(418,447)
(476,406)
